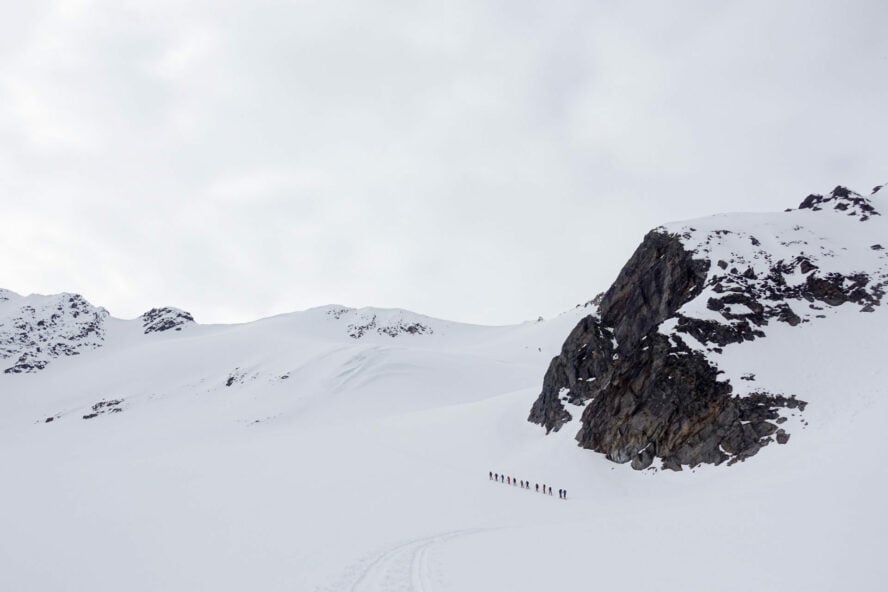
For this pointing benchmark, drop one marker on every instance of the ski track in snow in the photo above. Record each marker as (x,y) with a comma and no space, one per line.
(404,567)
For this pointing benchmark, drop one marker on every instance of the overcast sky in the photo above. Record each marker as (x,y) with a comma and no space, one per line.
(479,161)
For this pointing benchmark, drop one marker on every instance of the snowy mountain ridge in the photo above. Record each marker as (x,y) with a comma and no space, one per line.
(37,329)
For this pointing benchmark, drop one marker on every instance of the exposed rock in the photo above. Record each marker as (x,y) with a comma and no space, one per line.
(44,328)
(647,395)
(844,200)
(158,320)
(659,277)
(392,328)
(644,369)
(643,459)
(400,327)
(585,357)
(102,407)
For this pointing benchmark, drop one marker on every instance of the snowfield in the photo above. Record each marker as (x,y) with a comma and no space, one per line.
(288,454)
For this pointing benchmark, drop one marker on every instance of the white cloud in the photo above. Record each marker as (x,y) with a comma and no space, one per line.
(484,161)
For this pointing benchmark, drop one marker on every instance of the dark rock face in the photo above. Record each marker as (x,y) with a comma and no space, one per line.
(649,396)
(657,280)
(57,326)
(666,402)
(573,377)
(158,320)
(844,200)
(643,371)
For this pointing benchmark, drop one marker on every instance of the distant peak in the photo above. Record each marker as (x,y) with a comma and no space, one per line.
(842,200)
(36,329)
(166,318)
(381,321)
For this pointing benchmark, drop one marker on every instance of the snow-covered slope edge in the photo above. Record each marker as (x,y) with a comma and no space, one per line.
(658,374)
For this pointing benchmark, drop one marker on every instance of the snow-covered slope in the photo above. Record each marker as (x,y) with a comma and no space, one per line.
(304,363)
(346,449)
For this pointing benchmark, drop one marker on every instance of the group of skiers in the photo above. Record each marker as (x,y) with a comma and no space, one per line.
(509,480)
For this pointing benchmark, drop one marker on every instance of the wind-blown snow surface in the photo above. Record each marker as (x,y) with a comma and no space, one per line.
(291,454)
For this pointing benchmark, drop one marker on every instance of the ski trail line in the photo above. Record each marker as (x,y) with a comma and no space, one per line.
(404,567)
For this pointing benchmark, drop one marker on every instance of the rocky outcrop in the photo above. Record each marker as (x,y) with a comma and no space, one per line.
(665,401)
(103,407)
(392,328)
(843,200)
(643,374)
(391,323)
(659,277)
(158,320)
(36,330)
(573,376)
(647,395)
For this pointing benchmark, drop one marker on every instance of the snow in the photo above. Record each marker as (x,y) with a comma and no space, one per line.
(342,463)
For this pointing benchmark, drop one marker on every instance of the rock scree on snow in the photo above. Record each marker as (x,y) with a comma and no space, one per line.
(644,371)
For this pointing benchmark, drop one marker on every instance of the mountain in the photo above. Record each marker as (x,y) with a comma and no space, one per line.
(341,449)
(54,339)
(672,366)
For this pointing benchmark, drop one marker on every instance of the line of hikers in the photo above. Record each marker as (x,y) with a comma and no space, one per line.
(509,480)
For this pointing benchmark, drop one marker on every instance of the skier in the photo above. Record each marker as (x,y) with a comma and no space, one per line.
(490,475)
(550,490)
(559,494)
(565,494)
(538,487)
(508,480)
